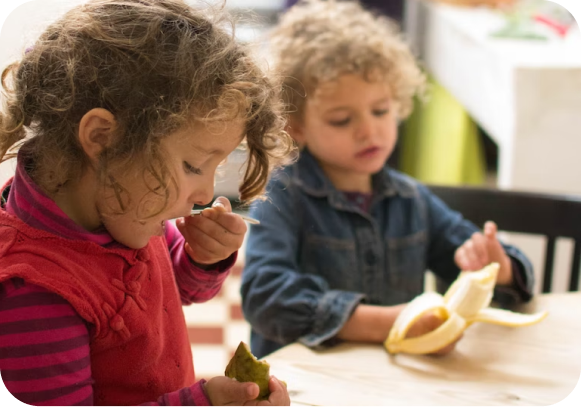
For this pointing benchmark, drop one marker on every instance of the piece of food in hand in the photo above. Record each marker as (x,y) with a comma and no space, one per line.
(244,367)
(466,301)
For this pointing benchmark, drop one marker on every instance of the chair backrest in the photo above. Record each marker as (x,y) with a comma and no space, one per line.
(550,215)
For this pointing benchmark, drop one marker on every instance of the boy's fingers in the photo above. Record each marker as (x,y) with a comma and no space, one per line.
(480,247)
(448,348)
(494,248)
(490,229)
(471,256)
(461,260)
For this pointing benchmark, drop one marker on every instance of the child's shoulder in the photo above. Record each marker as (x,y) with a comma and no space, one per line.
(404,184)
(281,178)
(401,178)
(304,171)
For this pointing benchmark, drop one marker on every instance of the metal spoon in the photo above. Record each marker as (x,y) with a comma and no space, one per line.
(244,217)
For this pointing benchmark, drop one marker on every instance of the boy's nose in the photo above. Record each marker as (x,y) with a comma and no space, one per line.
(365,129)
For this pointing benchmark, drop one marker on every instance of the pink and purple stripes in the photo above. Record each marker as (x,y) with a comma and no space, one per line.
(44,347)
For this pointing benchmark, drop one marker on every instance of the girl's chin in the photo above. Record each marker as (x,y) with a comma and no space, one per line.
(160,231)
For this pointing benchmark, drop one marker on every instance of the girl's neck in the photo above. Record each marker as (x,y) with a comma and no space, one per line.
(77,199)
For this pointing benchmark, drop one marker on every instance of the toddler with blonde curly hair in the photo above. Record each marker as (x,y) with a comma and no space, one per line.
(345,240)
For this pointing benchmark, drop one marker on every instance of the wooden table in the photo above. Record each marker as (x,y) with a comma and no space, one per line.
(492,365)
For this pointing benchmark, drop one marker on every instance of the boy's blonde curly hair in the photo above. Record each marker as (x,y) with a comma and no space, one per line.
(318,41)
(155,65)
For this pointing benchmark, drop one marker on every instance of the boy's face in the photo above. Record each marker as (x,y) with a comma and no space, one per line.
(350,126)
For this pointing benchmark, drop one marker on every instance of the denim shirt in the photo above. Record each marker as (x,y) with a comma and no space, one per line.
(316,256)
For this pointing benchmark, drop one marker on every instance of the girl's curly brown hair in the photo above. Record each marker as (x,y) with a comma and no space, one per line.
(155,65)
(317,41)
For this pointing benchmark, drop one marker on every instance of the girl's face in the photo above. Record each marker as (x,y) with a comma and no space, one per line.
(192,153)
(350,126)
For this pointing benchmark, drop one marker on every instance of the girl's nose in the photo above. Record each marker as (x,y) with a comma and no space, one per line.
(202,191)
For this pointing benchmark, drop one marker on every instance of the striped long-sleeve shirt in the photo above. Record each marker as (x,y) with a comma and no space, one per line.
(44,343)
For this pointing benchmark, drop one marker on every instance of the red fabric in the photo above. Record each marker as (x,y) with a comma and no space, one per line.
(140,347)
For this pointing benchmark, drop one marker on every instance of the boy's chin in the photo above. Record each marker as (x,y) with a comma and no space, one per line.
(370,168)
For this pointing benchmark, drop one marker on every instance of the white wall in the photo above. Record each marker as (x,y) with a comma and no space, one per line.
(19,30)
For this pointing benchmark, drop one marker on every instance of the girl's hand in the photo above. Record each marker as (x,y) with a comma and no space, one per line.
(213,235)
(223,391)
(481,250)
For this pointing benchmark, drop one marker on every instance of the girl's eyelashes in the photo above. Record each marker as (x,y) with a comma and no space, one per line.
(191,169)
(380,112)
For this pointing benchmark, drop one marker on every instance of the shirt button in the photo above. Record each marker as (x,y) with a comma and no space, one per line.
(370,258)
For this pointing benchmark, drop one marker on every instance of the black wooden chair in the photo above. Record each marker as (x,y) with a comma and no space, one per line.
(550,215)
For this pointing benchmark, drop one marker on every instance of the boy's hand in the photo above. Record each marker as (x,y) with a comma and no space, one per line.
(223,391)
(428,323)
(481,250)
(213,235)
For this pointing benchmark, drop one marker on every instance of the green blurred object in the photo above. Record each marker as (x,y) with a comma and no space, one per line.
(518,32)
(441,144)
(520,23)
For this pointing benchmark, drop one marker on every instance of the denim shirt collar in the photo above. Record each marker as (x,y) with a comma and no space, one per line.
(309,176)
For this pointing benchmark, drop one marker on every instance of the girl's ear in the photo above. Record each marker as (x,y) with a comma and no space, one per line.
(96,130)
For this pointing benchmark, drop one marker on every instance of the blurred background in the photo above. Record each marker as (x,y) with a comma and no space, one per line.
(504,112)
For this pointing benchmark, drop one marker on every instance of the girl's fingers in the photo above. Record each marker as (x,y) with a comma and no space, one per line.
(201,255)
(227,220)
(199,239)
(275,385)
(216,231)
(279,395)
(181,225)
(222,203)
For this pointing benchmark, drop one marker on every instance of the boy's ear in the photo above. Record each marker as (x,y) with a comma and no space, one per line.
(295,129)
(96,130)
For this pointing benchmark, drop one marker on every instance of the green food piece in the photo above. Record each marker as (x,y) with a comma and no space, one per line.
(244,367)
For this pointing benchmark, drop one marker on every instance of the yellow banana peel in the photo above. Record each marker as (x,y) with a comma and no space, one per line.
(466,301)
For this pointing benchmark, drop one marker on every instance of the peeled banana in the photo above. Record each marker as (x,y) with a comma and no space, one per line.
(466,301)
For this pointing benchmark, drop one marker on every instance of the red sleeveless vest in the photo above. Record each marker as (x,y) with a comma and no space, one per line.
(139,345)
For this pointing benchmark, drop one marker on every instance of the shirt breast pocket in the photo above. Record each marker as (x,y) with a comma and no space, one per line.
(333,259)
(406,257)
